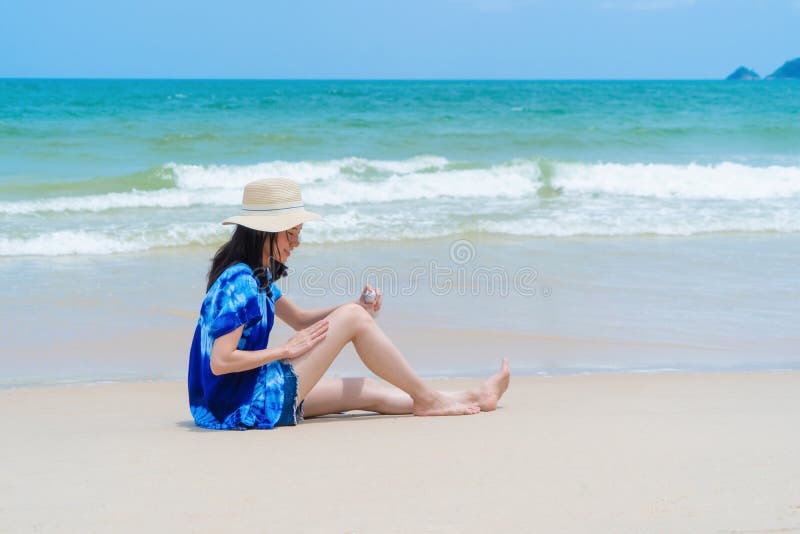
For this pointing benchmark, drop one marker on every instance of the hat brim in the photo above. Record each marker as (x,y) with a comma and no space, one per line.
(273,223)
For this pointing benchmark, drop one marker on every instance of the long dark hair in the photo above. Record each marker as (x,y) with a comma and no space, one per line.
(245,246)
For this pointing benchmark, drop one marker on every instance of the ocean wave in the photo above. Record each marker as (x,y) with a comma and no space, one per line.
(417,198)
(162,198)
(621,223)
(358,180)
(326,183)
(131,236)
(85,242)
(237,176)
(360,225)
(501,181)
(725,181)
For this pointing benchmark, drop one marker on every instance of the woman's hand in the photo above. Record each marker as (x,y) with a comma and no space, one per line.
(374,306)
(306,339)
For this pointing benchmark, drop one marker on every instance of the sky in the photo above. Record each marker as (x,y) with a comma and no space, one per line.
(396,39)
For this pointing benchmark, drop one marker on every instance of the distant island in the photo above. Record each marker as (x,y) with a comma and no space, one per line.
(788,71)
(743,73)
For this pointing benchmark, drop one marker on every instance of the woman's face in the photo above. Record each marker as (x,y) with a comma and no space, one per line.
(285,242)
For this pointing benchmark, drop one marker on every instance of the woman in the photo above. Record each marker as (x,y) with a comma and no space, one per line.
(238,381)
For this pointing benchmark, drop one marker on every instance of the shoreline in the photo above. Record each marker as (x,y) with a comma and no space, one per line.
(566,373)
(708,452)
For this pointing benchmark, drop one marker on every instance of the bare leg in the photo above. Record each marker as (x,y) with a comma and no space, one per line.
(335,395)
(352,323)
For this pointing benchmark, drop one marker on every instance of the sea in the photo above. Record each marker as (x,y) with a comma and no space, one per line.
(645,225)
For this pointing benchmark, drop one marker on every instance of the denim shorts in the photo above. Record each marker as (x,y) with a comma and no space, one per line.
(291,413)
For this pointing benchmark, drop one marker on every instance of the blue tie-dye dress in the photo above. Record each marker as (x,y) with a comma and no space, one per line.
(248,399)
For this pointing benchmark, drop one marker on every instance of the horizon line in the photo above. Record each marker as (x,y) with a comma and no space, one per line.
(354,79)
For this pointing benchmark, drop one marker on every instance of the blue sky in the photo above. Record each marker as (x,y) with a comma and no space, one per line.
(519,39)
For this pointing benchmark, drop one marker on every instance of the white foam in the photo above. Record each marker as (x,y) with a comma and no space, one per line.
(161,198)
(354,225)
(348,226)
(237,176)
(325,183)
(509,181)
(419,198)
(627,221)
(67,242)
(359,223)
(63,243)
(429,177)
(726,181)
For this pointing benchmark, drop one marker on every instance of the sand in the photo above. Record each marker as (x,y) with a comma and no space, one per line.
(603,453)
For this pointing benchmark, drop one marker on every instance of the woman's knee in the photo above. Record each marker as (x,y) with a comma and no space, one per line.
(356,316)
(353,308)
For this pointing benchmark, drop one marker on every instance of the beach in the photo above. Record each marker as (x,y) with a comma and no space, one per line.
(707,452)
(630,246)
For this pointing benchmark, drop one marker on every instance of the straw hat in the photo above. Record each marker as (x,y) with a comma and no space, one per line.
(272,205)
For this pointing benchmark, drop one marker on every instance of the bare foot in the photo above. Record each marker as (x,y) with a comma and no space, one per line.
(490,391)
(441,404)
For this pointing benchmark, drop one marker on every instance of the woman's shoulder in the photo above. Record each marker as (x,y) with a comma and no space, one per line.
(237,274)
(237,269)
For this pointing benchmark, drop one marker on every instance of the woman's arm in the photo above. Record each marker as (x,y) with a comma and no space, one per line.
(291,314)
(226,358)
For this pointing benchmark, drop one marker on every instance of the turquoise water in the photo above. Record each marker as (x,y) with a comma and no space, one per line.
(97,167)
